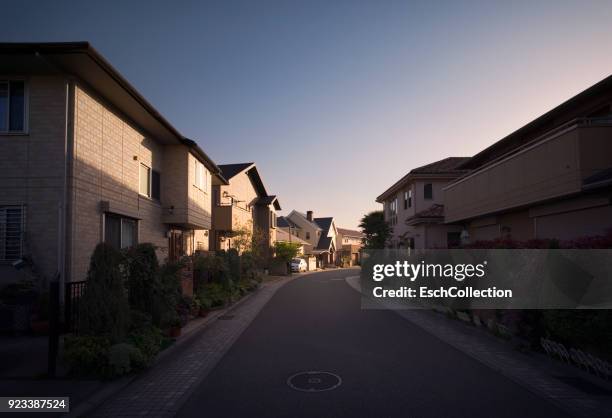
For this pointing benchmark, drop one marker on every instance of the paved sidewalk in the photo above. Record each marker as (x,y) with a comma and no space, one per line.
(161,391)
(534,372)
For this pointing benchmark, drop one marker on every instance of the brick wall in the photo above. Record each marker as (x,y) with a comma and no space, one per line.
(108,152)
(32,171)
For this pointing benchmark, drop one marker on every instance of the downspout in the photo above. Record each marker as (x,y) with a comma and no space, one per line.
(64,201)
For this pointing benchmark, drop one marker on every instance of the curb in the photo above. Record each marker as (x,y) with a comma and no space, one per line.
(99,397)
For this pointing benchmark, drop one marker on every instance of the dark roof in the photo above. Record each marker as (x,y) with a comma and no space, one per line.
(584,104)
(433,213)
(350,232)
(324,223)
(599,179)
(230,170)
(269,200)
(448,167)
(82,60)
(324,242)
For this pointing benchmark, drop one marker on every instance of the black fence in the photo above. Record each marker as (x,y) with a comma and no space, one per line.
(74,292)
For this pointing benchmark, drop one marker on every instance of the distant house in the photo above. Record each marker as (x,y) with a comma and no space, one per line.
(242,209)
(349,243)
(87,159)
(320,233)
(304,247)
(414,206)
(552,178)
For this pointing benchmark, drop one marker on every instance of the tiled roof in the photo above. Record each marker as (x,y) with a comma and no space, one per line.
(230,170)
(447,165)
(324,223)
(324,242)
(284,222)
(433,213)
(351,233)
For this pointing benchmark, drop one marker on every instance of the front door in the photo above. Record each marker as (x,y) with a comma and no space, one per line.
(175,245)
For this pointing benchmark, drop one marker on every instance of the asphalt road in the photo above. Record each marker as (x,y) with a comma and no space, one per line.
(388,366)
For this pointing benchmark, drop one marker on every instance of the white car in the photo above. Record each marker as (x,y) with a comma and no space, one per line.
(298,265)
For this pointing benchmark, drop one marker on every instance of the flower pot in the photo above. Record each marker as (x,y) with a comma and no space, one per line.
(174,332)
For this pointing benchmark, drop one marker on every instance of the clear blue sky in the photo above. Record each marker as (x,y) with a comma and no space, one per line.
(335,100)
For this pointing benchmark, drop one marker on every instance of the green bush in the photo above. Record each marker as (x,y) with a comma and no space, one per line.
(104,308)
(143,277)
(213,294)
(122,359)
(87,355)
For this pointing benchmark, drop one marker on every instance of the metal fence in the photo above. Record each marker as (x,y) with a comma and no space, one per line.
(74,292)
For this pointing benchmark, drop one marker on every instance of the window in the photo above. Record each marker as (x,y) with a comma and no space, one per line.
(405,200)
(393,212)
(410,198)
(145,181)
(11,232)
(201,176)
(155,185)
(272,219)
(427,191)
(12,106)
(120,232)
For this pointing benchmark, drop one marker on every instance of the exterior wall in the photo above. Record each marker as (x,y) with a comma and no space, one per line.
(199,200)
(32,172)
(553,168)
(419,203)
(566,219)
(231,217)
(307,227)
(105,170)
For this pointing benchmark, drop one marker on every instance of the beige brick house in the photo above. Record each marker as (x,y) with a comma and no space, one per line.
(552,178)
(85,159)
(414,206)
(242,210)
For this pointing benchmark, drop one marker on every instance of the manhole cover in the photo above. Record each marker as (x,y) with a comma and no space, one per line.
(226,317)
(314,381)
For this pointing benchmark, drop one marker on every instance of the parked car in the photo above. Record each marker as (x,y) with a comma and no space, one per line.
(298,265)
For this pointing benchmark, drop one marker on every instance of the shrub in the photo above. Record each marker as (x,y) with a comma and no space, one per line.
(122,359)
(143,277)
(213,294)
(87,355)
(169,293)
(104,309)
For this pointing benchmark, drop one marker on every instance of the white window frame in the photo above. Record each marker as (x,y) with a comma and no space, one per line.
(26,106)
(201,176)
(150,180)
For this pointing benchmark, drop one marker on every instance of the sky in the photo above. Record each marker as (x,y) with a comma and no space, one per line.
(336,100)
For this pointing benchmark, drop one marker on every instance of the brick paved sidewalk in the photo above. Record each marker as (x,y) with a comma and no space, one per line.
(160,391)
(535,372)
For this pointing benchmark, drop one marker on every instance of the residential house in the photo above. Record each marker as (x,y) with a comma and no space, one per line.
(414,206)
(552,178)
(304,247)
(320,233)
(85,158)
(242,210)
(349,243)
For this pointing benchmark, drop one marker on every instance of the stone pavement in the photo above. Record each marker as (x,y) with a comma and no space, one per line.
(534,372)
(160,391)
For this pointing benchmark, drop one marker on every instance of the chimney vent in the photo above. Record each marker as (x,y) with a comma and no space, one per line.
(309,215)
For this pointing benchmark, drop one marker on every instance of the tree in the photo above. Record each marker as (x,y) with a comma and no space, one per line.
(377,231)
(286,251)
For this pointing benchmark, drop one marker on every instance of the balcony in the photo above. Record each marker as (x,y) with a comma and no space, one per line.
(226,217)
(551,166)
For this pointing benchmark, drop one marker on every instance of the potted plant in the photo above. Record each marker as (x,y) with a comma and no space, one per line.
(172,324)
